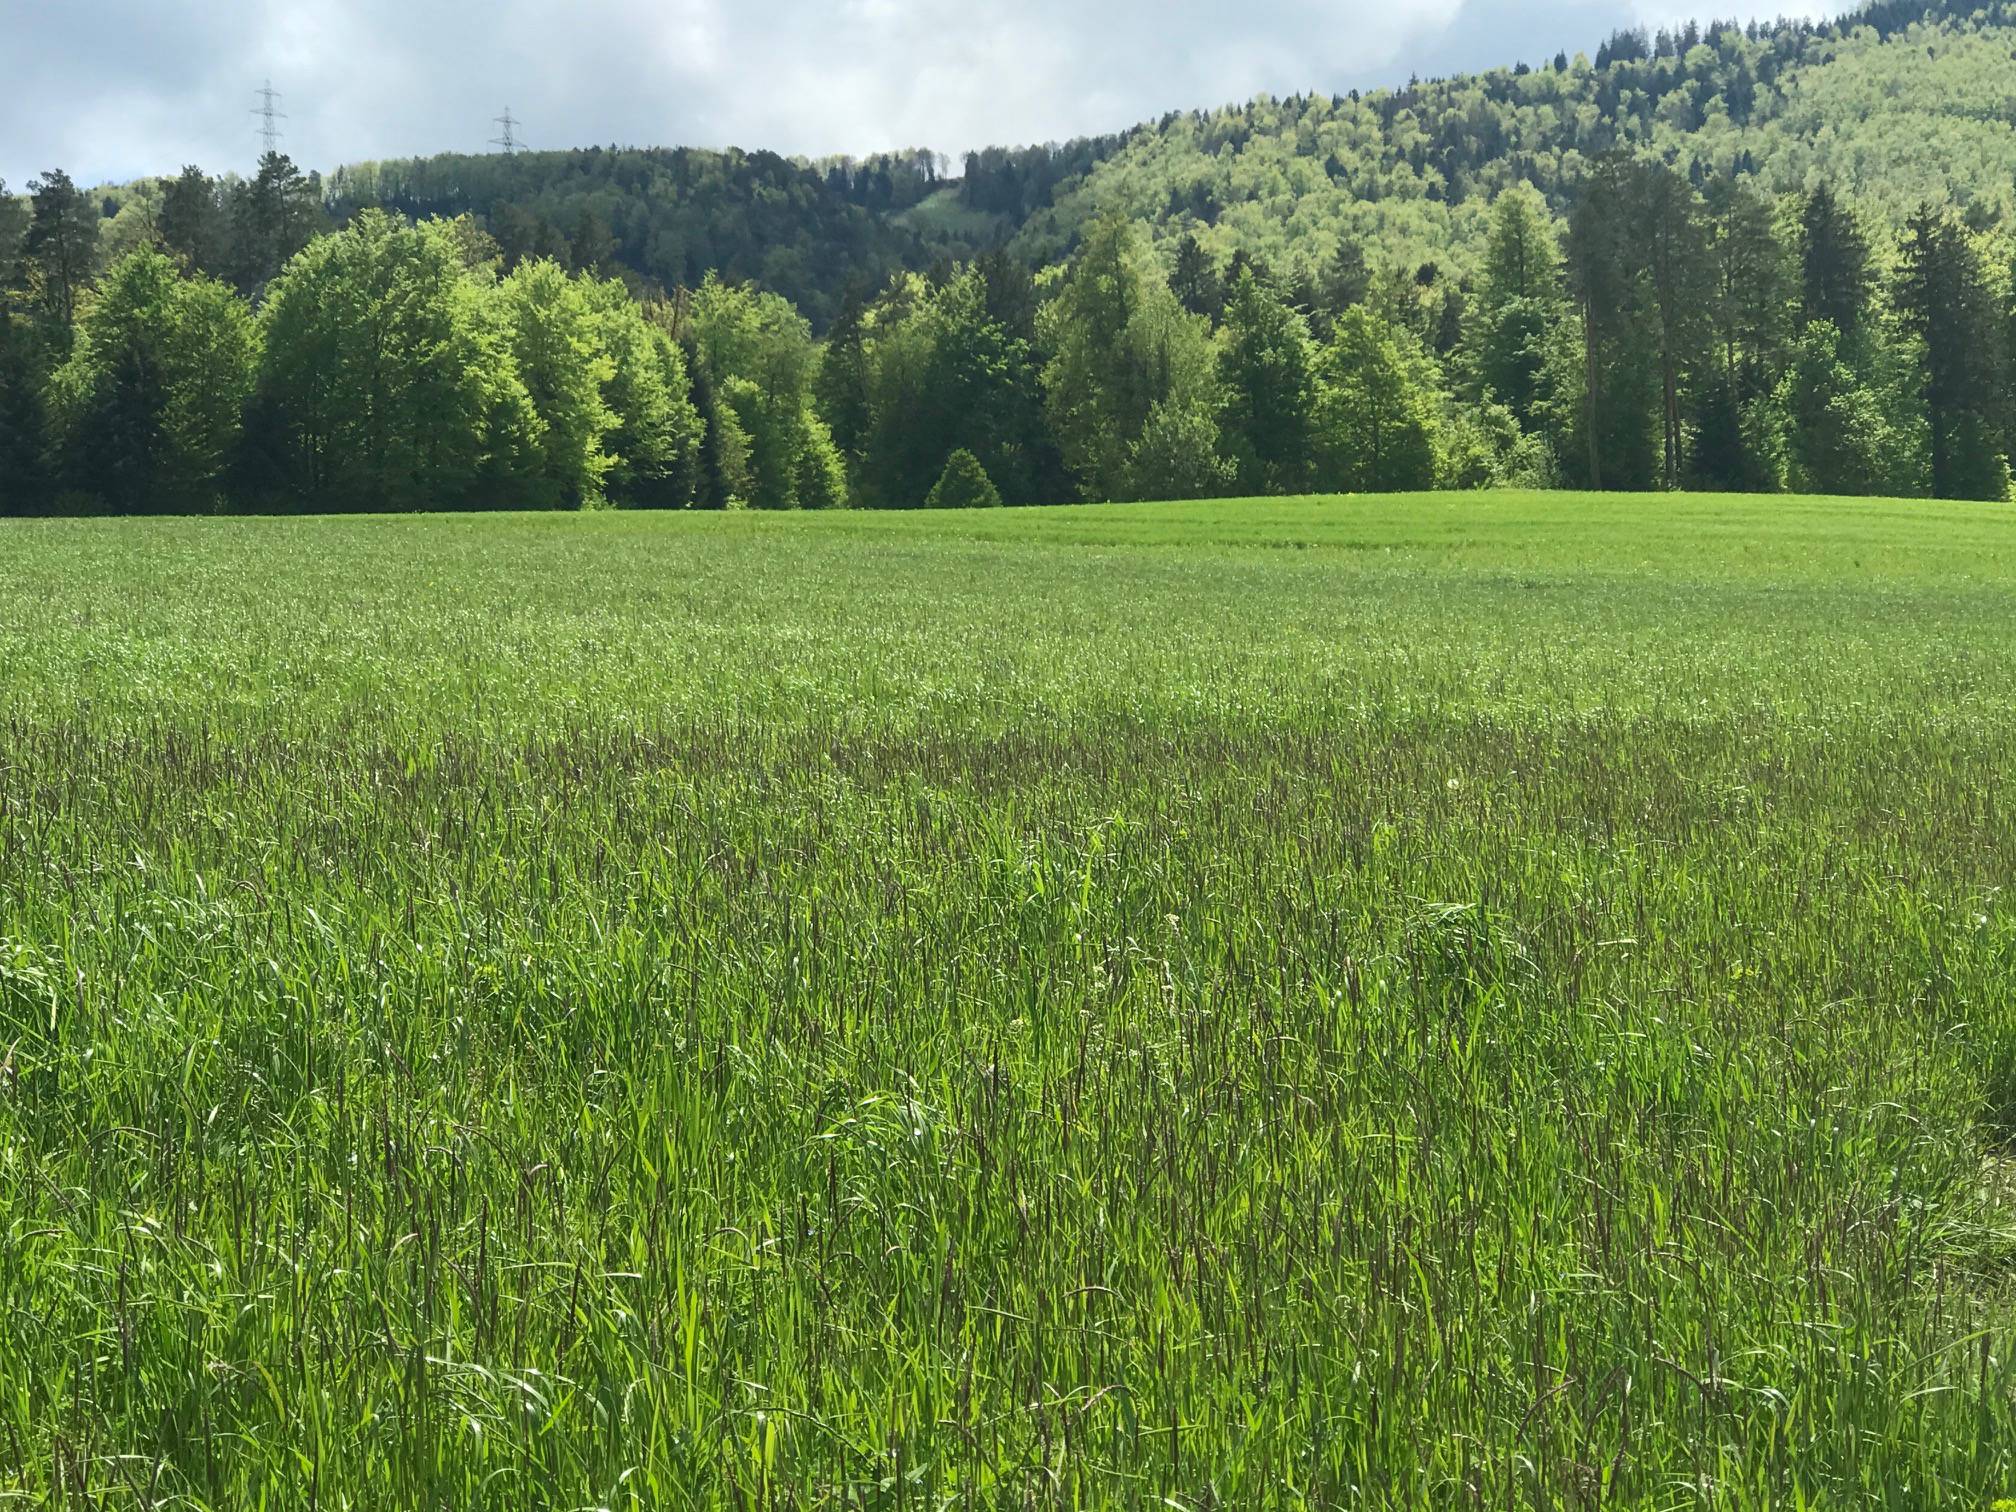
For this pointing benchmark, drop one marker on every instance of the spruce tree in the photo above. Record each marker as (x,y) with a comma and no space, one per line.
(1833,264)
(1943,300)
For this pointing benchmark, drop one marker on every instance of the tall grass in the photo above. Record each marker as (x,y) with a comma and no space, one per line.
(1493,1003)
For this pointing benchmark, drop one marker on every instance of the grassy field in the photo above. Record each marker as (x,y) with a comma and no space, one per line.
(1479,1001)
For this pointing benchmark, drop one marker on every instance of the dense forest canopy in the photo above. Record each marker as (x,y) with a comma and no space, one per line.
(1733,256)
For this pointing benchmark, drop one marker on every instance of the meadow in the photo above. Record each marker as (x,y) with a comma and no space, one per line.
(1462,1001)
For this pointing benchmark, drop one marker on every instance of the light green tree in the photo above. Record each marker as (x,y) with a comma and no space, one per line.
(558,340)
(1378,415)
(655,446)
(385,381)
(1518,303)
(761,359)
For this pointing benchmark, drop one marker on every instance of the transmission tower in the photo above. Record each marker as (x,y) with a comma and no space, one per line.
(507,132)
(270,115)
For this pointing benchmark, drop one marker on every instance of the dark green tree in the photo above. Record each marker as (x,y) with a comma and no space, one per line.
(59,249)
(1753,290)
(190,223)
(146,410)
(1267,374)
(1670,226)
(1833,264)
(842,387)
(1620,376)
(274,214)
(1196,283)
(24,432)
(1944,301)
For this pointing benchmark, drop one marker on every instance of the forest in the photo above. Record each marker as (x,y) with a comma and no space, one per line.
(1709,258)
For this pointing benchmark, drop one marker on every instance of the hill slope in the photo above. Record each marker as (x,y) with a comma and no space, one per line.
(1891,105)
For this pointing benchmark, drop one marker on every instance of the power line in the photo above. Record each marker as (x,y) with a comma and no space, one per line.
(270,115)
(507,127)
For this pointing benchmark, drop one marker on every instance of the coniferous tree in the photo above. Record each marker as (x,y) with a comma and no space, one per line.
(1619,380)
(1340,280)
(963,484)
(24,436)
(1196,283)
(274,215)
(59,249)
(13,222)
(1752,292)
(1267,373)
(1674,236)
(1943,300)
(1833,264)
(190,223)
(841,389)
(721,465)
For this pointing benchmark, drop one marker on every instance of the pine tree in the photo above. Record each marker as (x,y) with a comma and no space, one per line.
(1675,241)
(59,250)
(274,215)
(1619,379)
(1752,293)
(1195,283)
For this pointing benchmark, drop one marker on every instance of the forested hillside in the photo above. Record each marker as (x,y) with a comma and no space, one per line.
(670,217)
(1730,257)
(1886,105)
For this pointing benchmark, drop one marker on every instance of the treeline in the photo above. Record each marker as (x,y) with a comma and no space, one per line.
(1662,336)
(666,217)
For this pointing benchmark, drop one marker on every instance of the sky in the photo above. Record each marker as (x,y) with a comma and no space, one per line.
(116,89)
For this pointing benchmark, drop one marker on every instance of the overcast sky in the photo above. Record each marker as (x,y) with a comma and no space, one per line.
(113,89)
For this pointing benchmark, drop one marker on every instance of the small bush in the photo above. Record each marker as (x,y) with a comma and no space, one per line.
(963,485)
